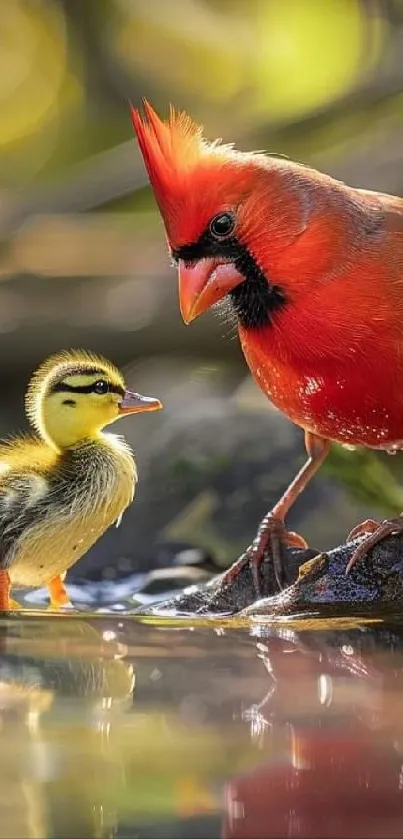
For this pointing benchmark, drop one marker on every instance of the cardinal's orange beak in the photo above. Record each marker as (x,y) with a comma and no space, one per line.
(204,283)
(135,403)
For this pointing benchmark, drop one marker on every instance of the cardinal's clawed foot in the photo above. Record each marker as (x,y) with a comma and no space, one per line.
(269,541)
(375,532)
(272,535)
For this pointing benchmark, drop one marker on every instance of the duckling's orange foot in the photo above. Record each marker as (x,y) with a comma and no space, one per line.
(58,593)
(7,604)
(375,532)
(270,539)
(14,605)
(11,606)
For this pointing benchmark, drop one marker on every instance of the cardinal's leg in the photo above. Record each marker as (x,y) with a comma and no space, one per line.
(374,531)
(7,604)
(58,593)
(272,534)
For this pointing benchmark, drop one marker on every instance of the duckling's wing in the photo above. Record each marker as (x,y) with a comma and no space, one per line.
(25,454)
(24,487)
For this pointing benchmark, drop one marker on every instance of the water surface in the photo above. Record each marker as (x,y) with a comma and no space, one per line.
(119,726)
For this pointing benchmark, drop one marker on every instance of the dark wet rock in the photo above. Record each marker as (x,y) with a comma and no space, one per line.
(314,580)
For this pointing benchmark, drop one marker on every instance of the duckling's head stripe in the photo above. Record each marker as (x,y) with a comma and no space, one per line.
(64,387)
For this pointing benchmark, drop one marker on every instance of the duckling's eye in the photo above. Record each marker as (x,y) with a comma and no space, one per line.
(101,386)
(222,225)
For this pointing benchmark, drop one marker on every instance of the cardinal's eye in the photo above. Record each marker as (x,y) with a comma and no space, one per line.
(101,386)
(222,225)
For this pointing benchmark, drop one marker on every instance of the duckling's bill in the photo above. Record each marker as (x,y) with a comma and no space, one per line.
(135,403)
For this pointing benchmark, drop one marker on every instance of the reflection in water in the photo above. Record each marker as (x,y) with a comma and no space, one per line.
(61,686)
(288,730)
(22,802)
(339,771)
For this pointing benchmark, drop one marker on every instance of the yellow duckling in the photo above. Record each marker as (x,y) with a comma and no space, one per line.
(61,488)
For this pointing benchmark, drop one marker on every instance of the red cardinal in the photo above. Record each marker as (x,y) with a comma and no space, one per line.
(312,270)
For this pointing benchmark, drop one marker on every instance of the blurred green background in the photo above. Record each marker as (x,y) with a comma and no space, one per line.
(83,260)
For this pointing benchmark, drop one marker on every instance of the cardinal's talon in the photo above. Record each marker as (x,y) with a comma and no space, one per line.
(363,529)
(271,538)
(294,540)
(391,527)
(278,538)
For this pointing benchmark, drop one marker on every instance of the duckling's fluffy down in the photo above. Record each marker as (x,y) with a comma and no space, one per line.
(54,506)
